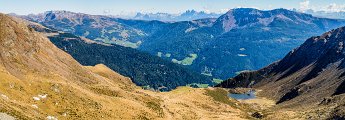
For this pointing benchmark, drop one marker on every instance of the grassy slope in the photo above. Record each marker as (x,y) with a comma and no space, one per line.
(77,92)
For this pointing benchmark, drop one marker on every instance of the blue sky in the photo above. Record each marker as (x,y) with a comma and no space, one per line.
(124,7)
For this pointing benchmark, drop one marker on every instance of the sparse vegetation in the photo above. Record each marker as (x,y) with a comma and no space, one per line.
(156,107)
(105,91)
(220,95)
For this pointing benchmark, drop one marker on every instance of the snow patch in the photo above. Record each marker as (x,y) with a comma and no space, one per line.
(4,97)
(51,118)
(43,96)
(39,97)
(36,98)
(190,29)
(34,106)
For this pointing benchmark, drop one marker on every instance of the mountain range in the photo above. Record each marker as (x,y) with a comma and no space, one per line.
(48,70)
(311,75)
(99,28)
(189,15)
(242,39)
(327,14)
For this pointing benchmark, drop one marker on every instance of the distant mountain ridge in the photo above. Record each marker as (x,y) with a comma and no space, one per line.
(188,15)
(248,17)
(326,14)
(100,28)
(242,39)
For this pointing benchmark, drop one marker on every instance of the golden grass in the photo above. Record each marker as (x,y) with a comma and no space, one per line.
(31,66)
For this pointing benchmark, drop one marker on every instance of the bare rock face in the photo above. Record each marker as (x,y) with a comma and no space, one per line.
(229,21)
(257,115)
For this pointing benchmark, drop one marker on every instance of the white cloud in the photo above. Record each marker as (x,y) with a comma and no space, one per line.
(107,11)
(335,8)
(304,5)
(223,10)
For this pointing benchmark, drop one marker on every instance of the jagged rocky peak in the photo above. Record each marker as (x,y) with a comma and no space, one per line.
(190,12)
(188,15)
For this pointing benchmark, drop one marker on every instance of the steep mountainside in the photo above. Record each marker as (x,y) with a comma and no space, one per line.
(312,74)
(40,81)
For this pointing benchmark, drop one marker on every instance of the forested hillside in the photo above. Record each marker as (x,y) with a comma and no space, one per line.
(144,69)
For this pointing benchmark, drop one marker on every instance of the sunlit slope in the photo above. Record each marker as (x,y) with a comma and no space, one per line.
(39,81)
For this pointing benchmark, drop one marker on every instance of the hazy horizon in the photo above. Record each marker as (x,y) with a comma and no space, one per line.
(126,8)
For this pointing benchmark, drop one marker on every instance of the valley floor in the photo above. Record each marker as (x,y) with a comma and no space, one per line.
(266,108)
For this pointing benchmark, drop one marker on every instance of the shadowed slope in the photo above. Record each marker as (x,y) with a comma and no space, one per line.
(307,76)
